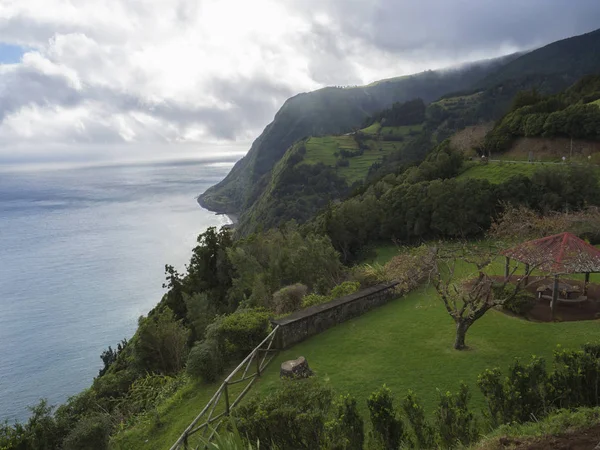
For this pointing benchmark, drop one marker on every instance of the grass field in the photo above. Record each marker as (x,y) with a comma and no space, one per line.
(498,172)
(372,129)
(326,150)
(407,344)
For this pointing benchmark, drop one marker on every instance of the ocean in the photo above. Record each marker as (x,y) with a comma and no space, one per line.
(82,256)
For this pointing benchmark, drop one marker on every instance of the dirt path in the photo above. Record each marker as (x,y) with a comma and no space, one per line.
(579,440)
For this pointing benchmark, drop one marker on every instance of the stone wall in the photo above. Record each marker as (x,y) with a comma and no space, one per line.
(305,323)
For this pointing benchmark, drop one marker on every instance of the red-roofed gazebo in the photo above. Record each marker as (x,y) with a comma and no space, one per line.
(559,254)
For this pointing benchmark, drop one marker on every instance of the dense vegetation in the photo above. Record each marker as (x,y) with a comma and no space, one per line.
(427,202)
(571,113)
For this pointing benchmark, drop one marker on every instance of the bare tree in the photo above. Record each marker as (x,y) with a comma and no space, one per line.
(467,300)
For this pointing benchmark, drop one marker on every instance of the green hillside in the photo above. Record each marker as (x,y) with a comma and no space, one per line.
(379,141)
(497,172)
(318,170)
(330,111)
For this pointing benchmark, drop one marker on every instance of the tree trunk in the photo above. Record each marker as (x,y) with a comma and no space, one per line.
(461,333)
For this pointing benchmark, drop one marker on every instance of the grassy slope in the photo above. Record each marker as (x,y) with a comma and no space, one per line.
(324,149)
(496,172)
(558,423)
(175,416)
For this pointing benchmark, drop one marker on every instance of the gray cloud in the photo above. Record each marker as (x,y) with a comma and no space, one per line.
(157,72)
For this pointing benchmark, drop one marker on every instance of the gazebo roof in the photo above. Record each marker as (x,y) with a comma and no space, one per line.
(560,253)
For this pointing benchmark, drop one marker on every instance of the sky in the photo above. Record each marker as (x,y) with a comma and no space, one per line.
(139,76)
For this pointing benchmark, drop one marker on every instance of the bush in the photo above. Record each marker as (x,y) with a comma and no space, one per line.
(520,304)
(314,299)
(575,380)
(291,417)
(289,298)
(346,288)
(388,429)
(346,431)
(205,361)
(160,344)
(422,432)
(455,423)
(90,433)
(237,334)
(369,275)
(520,396)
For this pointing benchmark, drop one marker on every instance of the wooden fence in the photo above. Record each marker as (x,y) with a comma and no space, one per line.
(228,396)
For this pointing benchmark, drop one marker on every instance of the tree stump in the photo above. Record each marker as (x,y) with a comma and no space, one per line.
(296,368)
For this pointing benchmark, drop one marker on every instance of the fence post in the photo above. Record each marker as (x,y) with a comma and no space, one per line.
(226,398)
(258,362)
(185,443)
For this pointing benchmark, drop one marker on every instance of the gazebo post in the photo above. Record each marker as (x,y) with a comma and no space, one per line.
(554,296)
(507,268)
(526,274)
(585,284)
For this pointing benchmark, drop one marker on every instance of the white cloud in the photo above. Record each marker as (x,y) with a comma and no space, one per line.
(152,71)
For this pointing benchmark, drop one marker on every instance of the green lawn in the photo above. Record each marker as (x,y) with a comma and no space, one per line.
(407,344)
(498,172)
(372,129)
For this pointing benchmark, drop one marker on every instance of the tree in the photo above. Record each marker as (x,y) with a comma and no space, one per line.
(467,300)
(160,344)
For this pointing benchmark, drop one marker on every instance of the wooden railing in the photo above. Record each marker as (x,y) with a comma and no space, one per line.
(228,396)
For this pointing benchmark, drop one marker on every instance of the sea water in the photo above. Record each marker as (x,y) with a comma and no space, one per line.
(82,256)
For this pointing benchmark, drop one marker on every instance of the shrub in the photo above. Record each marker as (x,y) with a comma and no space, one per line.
(455,423)
(237,334)
(314,299)
(518,397)
(160,344)
(369,274)
(289,298)
(90,433)
(346,431)
(346,288)
(423,435)
(293,416)
(387,426)
(520,304)
(147,391)
(575,380)
(205,361)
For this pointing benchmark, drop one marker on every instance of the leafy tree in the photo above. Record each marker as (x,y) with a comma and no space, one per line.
(109,356)
(90,433)
(160,344)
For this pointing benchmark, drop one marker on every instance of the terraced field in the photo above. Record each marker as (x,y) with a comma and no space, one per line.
(380,141)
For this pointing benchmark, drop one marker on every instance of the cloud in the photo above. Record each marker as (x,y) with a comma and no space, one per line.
(213,71)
